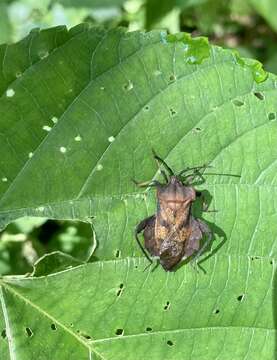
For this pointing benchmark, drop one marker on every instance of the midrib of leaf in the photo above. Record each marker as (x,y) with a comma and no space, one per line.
(7,324)
(134,117)
(176,331)
(44,313)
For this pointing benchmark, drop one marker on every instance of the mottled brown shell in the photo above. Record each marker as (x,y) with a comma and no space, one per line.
(173,233)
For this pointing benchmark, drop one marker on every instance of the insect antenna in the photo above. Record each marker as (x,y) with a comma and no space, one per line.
(151,183)
(222,174)
(193,168)
(198,172)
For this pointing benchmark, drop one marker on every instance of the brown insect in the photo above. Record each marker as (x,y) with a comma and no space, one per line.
(173,234)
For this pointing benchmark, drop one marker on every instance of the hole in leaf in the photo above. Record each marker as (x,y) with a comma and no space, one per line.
(240,297)
(146,108)
(29,332)
(85,336)
(4,334)
(216,311)
(271,262)
(117,253)
(70,237)
(198,129)
(172,112)
(128,86)
(53,327)
(148,328)
(167,305)
(172,77)
(271,116)
(238,102)
(259,95)
(169,343)
(53,229)
(119,331)
(119,292)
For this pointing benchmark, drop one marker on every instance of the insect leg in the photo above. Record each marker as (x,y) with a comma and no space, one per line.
(139,228)
(160,162)
(205,230)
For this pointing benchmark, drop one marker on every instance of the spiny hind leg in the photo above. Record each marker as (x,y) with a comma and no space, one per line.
(145,225)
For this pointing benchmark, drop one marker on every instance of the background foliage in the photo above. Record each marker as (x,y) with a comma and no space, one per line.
(209,104)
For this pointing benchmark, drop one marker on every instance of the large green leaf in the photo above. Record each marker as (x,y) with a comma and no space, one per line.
(114,310)
(109,97)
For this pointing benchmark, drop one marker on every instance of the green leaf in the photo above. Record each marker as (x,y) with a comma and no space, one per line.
(195,49)
(109,97)
(115,310)
(267,9)
(5,25)
(157,9)
(89,3)
(54,262)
